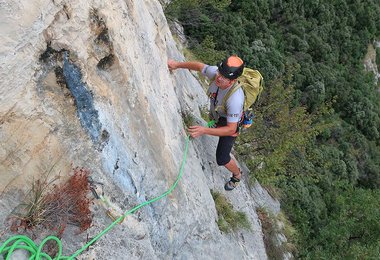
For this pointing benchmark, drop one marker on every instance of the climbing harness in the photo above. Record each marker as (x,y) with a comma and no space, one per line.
(36,253)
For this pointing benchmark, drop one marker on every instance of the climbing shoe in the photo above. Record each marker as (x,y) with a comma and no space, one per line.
(232,183)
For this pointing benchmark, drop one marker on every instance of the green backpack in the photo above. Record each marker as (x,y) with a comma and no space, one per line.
(251,82)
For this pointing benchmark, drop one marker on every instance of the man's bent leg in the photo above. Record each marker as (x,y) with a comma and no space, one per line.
(236,175)
(232,167)
(223,158)
(223,150)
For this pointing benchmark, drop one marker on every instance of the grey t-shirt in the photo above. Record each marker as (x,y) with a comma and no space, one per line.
(234,104)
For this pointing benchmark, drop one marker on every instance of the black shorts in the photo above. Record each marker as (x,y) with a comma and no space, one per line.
(224,145)
(224,149)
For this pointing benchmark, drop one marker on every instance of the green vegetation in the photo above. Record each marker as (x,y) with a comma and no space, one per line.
(188,119)
(316,135)
(205,113)
(206,51)
(228,219)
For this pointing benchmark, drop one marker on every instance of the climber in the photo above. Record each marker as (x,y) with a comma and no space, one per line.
(223,77)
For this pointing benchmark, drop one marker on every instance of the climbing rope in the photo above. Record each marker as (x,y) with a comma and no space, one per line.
(36,253)
(211,124)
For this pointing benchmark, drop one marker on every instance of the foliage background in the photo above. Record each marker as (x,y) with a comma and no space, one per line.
(316,136)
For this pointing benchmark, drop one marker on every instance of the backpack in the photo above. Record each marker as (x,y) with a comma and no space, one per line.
(251,82)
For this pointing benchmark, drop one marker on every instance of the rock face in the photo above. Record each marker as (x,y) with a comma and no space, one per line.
(370,60)
(85,83)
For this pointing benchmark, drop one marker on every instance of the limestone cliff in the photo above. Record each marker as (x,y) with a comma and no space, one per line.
(370,60)
(85,83)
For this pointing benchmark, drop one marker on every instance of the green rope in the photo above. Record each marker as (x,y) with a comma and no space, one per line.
(211,124)
(23,242)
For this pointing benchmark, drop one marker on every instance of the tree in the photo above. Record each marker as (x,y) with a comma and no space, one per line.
(353,230)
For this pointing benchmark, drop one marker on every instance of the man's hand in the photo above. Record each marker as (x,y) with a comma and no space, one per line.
(172,64)
(196,131)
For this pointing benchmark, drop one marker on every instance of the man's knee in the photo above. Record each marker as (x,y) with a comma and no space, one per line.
(222,160)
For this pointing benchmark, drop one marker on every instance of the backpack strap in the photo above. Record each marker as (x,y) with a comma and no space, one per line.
(232,90)
(261,87)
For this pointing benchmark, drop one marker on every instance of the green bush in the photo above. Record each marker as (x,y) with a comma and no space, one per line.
(205,113)
(188,119)
(206,52)
(228,219)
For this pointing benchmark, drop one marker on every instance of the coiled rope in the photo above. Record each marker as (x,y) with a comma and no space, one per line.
(36,253)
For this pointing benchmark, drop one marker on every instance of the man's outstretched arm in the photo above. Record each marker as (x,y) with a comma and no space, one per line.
(191,65)
(229,130)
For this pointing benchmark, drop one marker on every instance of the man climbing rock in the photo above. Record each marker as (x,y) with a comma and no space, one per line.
(227,117)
